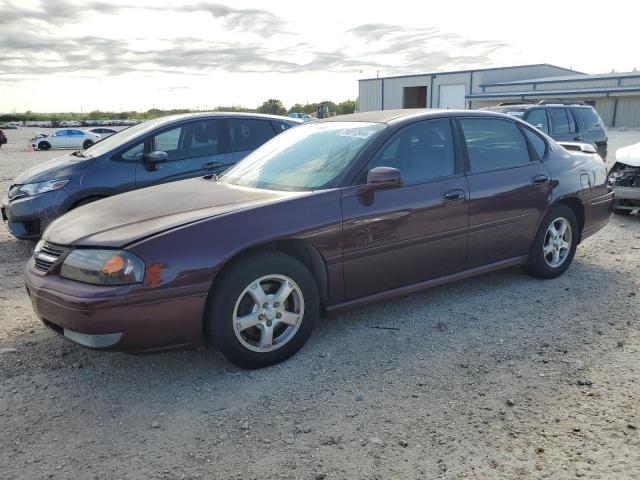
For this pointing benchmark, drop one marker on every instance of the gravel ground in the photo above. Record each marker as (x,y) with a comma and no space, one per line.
(497,377)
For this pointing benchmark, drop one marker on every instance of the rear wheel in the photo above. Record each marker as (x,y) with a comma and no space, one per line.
(87,144)
(262,310)
(555,243)
(44,146)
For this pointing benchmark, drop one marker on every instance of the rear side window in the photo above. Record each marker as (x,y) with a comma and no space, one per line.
(538,118)
(249,134)
(493,143)
(202,139)
(590,118)
(562,121)
(539,145)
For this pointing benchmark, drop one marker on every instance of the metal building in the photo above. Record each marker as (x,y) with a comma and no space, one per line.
(616,96)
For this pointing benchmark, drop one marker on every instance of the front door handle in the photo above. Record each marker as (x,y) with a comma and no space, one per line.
(212,165)
(540,179)
(454,195)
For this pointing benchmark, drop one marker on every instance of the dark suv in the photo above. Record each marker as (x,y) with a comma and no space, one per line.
(153,152)
(576,122)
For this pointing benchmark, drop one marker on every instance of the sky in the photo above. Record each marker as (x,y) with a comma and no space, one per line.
(68,55)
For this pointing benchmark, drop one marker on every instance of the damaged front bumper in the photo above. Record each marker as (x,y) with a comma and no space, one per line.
(625,180)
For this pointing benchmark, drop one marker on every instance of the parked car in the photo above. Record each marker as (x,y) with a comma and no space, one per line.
(575,122)
(157,151)
(65,138)
(327,216)
(305,117)
(3,138)
(103,132)
(624,177)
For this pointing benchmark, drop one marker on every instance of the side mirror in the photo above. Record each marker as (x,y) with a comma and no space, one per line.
(384,177)
(152,159)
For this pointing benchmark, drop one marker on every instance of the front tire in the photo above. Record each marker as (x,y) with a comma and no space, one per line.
(262,310)
(44,146)
(87,144)
(554,246)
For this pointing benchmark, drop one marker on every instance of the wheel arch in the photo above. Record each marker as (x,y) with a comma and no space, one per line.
(84,200)
(576,206)
(300,250)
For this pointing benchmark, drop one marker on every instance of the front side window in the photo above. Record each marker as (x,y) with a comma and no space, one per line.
(421,151)
(248,133)
(169,142)
(493,143)
(309,157)
(61,133)
(538,118)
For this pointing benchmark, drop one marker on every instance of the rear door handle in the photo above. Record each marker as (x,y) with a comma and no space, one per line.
(540,179)
(454,195)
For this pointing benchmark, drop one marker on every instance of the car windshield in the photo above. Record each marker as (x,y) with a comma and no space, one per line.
(123,136)
(309,157)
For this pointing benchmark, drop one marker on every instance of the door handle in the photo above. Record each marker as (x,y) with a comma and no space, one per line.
(454,195)
(540,179)
(211,165)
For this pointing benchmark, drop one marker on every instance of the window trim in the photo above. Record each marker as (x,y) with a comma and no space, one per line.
(465,150)
(458,160)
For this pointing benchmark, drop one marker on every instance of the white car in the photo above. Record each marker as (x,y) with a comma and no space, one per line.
(65,138)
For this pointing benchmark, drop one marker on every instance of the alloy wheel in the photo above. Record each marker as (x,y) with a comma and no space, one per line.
(557,242)
(268,313)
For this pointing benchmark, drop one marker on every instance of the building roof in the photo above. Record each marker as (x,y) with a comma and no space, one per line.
(567,78)
(554,93)
(475,70)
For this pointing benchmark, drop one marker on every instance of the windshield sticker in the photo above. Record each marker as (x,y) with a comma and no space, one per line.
(515,114)
(362,133)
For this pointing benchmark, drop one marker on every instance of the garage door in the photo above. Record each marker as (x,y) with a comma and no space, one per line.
(451,96)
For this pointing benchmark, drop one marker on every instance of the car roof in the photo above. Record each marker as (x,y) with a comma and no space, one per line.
(528,106)
(393,116)
(188,116)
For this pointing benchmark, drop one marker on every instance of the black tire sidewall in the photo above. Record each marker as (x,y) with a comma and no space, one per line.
(44,146)
(86,144)
(219,311)
(537,264)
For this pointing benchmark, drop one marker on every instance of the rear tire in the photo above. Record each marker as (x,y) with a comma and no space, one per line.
(554,246)
(262,310)
(44,146)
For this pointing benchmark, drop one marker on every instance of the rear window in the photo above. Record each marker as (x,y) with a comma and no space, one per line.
(590,118)
(249,134)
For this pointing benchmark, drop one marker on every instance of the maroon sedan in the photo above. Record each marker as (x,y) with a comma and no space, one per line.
(325,216)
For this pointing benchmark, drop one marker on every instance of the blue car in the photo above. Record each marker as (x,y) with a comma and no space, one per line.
(158,151)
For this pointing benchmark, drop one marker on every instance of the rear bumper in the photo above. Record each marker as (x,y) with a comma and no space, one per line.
(122,318)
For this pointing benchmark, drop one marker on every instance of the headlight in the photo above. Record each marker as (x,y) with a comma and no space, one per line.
(42,187)
(103,267)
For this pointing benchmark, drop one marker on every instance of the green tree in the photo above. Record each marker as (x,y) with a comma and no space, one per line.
(273,107)
(297,108)
(346,107)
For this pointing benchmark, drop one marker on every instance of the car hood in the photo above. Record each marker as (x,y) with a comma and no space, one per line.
(629,155)
(123,219)
(59,167)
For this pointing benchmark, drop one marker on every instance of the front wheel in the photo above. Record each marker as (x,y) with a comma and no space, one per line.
(262,310)
(87,144)
(44,146)
(555,243)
